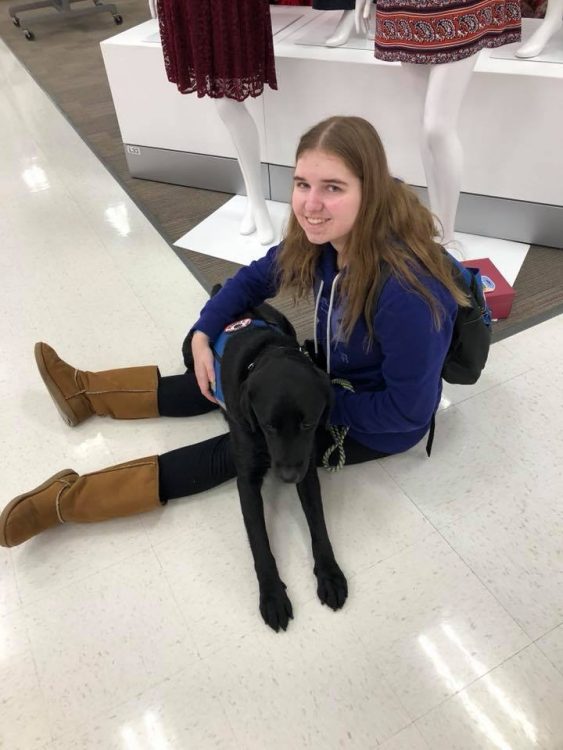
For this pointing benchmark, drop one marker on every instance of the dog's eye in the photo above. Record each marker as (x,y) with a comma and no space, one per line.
(307,425)
(269,428)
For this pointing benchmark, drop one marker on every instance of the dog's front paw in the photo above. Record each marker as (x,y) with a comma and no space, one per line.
(275,606)
(332,587)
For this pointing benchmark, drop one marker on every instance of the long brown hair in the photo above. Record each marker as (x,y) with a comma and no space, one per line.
(392,226)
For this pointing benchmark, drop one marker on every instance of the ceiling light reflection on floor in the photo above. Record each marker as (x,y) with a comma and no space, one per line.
(36,178)
(485,724)
(118,217)
(517,716)
(483,721)
(130,741)
(444,403)
(155,732)
(97,444)
(152,737)
(439,664)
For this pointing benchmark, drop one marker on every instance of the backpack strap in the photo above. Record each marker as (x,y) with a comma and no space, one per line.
(430,439)
(385,273)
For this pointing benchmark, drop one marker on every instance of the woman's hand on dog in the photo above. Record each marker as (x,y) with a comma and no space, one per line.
(203,364)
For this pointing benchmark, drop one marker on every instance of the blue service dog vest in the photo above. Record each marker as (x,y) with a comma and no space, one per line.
(219,344)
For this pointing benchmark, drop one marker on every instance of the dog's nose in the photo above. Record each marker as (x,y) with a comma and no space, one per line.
(289,473)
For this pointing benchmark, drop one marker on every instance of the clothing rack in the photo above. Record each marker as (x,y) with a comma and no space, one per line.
(64,12)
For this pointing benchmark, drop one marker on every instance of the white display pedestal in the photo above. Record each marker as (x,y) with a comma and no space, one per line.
(551,53)
(218,236)
(510,124)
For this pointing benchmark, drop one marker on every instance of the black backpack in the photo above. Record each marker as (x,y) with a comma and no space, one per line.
(471,337)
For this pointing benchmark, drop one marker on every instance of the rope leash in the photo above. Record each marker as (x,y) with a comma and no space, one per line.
(338,434)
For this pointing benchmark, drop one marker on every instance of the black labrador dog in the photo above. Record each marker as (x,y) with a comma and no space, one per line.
(275,399)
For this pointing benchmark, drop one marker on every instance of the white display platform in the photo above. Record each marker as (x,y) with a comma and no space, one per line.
(507,255)
(218,236)
(280,21)
(508,105)
(510,123)
(316,34)
(551,53)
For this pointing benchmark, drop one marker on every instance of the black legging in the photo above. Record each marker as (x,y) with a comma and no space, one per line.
(199,467)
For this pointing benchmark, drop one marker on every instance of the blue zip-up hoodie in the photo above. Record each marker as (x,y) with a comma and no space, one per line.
(397,383)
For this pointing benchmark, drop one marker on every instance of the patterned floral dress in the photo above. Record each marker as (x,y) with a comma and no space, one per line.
(218,48)
(442,31)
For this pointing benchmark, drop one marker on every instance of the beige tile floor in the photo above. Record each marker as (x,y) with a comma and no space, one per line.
(144,634)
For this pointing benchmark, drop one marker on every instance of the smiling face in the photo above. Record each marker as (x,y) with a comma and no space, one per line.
(326,198)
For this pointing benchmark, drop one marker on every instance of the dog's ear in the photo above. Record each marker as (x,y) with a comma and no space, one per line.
(246,409)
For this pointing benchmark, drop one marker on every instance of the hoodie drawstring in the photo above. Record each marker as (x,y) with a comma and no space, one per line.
(337,432)
(328,317)
(317,302)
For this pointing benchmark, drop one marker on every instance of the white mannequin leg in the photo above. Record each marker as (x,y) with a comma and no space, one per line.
(420,74)
(442,153)
(343,30)
(550,25)
(244,134)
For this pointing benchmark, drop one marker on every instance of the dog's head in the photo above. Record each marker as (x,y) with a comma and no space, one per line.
(287,399)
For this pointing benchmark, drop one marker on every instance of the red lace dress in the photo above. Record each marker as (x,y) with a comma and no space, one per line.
(218,48)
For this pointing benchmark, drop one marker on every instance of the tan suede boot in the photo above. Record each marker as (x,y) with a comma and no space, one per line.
(121,490)
(127,393)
